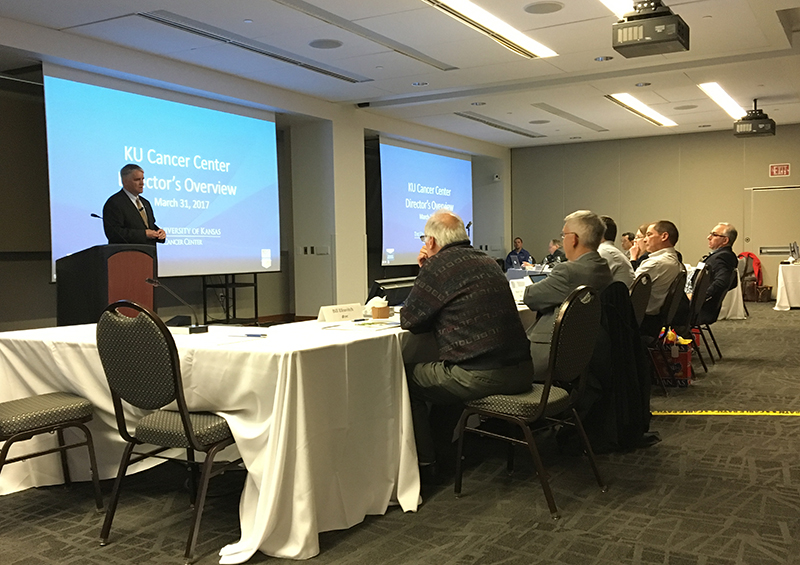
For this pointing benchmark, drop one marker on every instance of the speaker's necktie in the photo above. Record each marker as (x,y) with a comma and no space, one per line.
(142,212)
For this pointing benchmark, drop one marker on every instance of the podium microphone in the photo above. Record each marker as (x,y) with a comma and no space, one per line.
(193,329)
(119,233)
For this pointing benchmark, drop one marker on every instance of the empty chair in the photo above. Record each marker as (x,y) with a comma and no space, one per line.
(25,418)
(143,369)
(640,296)
(546,405)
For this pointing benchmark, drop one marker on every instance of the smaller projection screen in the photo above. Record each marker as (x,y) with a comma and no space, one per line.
(211,176)
(414,184)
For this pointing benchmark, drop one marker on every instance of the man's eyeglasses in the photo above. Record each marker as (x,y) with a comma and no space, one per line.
(712,234)
(563,233)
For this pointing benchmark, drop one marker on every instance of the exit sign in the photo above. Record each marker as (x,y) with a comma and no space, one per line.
(780,170)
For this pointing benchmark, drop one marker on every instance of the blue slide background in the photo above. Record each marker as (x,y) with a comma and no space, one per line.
(88,130)
(403,224)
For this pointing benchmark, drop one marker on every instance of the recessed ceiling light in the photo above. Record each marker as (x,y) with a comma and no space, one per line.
(723,99)
(543,7)
(704,126)
(640,109)
(420,83)
(603,58)
(686,107)
(479,19)
(248,21)
(379,67)
(479,103)
(539,122)
(619,7)
(325,44)
(641,84)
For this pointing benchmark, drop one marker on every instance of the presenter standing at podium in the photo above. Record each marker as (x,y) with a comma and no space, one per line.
(127,216)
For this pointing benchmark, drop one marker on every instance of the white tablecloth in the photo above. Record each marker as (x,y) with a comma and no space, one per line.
(733,303)
(320,416)
(788,287)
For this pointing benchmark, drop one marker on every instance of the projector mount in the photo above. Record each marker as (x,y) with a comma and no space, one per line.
(756,113)
(648,9)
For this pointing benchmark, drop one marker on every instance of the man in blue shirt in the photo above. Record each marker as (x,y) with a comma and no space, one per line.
(523,258)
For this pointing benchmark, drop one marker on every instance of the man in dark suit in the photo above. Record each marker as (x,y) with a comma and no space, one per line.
(127,217)
(720,263)
(583,231)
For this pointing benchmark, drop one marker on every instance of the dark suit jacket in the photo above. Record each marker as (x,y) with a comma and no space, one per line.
(122,222)
(721,265)
(546,296)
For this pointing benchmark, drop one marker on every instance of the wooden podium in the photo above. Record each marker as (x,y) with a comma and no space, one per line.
(90,280)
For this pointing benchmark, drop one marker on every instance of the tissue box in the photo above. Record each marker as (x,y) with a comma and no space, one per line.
(380,312)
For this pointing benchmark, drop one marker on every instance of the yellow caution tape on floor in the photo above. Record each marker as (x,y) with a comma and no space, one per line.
(725,413)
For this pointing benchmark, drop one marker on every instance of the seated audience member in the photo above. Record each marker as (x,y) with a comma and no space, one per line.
(627,243)
(583,231)
(620,265)
(556,254)
(663,265)
(720,264)
(637,251)
(462,296)
(522,256)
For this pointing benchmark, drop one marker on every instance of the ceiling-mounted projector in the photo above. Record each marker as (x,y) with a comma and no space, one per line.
(651,29)
(755,123)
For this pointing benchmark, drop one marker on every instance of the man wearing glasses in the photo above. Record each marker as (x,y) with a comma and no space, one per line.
(720,263)
(583,231)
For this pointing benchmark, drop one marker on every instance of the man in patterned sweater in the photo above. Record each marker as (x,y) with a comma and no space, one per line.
(462,296)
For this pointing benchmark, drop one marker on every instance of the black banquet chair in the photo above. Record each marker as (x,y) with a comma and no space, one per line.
(640,296)
(546,405)
(24,418)
(142,367)
(700,288)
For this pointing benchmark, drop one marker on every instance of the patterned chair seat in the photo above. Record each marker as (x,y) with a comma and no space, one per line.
(51,409)
(524,405)
(45,414)
(164,427)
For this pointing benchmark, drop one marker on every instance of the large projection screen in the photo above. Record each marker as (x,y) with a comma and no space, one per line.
(211,176)
(415,182)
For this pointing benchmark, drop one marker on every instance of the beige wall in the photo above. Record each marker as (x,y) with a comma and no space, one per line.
(695,180)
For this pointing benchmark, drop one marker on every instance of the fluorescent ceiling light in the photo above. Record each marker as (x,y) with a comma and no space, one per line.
(479,19)
(723,99)
(619,7)
(642,110)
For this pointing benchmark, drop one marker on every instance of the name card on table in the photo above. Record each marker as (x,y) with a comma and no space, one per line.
(340,313)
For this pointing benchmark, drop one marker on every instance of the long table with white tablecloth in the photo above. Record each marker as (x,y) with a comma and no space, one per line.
(320,415)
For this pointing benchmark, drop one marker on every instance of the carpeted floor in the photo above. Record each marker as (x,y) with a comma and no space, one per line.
(719,489)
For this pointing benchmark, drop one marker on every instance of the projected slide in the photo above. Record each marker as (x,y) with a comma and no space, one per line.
(414,184)
(211,177)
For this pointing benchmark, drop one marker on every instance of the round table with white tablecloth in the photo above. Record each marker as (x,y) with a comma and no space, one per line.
(788,295)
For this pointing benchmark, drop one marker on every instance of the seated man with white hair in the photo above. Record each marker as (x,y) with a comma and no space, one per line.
(583,231)
(463,297)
